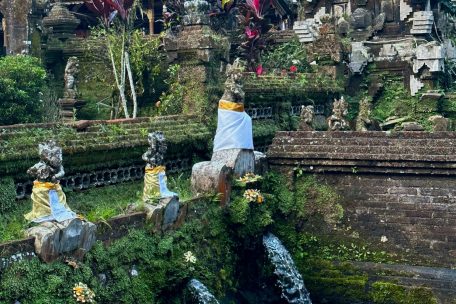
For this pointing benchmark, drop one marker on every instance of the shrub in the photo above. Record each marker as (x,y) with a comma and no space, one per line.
(7,194)
(22,79)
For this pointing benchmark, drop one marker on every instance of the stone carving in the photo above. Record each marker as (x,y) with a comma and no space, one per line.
(337,121)
(157,148)
(71,71)
(439,123)
(363,121)
(307,117)
(359,57)
(195,12)
(155,186)
(361,18)
(49,168)
(233,85)
(431,55)
(49,201)
(233,142)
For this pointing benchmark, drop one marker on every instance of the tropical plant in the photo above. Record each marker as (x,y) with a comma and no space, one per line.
(122,28)
(22,81)
(286,55)
(254,28)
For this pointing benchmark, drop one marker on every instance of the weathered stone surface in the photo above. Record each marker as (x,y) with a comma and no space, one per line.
(241,161)
(395,185)
(361,18)
(171,212)
(53,239)
(212,177)
(412,126)
(439,123)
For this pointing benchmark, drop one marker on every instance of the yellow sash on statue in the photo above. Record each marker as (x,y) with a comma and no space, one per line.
(231,106)
(151,184)
(40,199)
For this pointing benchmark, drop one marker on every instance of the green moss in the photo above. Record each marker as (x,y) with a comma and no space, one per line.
(159,260)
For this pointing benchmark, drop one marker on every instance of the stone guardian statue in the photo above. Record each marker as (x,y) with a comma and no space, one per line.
(155,176)
(49,201)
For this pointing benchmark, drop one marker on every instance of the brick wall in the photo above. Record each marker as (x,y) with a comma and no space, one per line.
(400,186)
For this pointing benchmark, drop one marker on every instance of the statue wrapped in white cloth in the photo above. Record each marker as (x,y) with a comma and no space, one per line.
(234,125)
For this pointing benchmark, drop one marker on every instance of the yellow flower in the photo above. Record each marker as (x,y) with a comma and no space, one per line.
(253,195)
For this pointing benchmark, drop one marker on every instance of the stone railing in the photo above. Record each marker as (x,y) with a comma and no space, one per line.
(394,187)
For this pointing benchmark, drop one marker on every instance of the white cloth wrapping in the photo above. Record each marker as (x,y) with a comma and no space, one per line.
(234,131)
(58,211)
(164,192)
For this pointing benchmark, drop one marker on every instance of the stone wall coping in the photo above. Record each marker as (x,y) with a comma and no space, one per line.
(371,152)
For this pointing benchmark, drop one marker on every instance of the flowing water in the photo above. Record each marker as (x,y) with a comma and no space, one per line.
(289,279)
(201,293)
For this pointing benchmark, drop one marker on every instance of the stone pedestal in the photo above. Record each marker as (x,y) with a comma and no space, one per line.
(68,107)
(166,214)
(53,239)
(212,177)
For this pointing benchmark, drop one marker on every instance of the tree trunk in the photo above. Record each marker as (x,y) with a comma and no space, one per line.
(132,84)
(121,84)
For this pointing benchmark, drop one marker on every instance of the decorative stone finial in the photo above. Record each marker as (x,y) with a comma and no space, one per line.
(337,121)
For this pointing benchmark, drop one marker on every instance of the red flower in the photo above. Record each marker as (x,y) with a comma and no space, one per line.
(251,33)
(293,69)
(259,70)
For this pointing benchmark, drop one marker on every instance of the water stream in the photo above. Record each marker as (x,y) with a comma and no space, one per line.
(289,279)
(200,292)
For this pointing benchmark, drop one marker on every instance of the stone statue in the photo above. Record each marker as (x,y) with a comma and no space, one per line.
(49,168)
(71,71)
(49,201)
(307,117)
(234,91)
(155,176)
(157,149)
(363,121)
(337,121)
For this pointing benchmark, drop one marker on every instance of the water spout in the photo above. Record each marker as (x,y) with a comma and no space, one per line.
(201,293)
(289,279)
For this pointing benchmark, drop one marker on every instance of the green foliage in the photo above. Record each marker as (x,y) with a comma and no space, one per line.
(162,269)
(285,55)
(7,194)
(395,101)
(171,101)
(22,80)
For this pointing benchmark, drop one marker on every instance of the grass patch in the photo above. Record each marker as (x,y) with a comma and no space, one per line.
(96,204)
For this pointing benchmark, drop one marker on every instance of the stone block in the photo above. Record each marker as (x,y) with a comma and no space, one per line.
(53,239)
(212,177)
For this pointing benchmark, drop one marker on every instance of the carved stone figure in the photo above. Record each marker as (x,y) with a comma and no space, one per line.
(49,168)
(71,71)
(155,186)
(156,151)
(439,123)
(49,201)
(337,121)
(361,18)
(363,121)
(233,85)
(307,117)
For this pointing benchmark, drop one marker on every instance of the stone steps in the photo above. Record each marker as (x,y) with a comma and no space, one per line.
(405,152)
(360,150)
